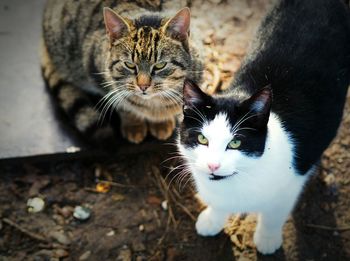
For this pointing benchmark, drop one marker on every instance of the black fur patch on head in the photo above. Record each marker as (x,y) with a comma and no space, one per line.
(148,20)
(200,109)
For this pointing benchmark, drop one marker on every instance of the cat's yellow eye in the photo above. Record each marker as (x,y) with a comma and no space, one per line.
(234,144)
(202,140)
(159,66)
(131,66)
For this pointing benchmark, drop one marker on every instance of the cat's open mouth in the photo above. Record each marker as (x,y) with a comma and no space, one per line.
(217,177)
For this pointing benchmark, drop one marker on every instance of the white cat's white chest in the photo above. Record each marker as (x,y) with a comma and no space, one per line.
(259,180)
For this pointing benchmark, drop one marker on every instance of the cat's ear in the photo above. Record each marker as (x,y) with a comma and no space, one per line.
(178,27)
(193,95)
(258,106)
(116,26)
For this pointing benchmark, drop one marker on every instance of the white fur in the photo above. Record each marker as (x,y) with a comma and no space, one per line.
(268,185)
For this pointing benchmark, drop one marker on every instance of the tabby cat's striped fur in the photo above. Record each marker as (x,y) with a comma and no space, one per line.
(92,54)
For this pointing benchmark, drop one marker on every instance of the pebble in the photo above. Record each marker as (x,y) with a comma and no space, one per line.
(35,205)
(165,205)
(81,213)
(110,233)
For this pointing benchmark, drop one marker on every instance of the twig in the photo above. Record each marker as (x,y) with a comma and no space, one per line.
(115,184)
(24,230)
(329,228)
(186,211)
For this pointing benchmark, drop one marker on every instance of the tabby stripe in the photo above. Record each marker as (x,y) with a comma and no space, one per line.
(135,103)
(93,71)
(167,106)
(183,67)
(176,77)
(112,64)
(79,103)
(54,89)
(96,10)
(90,130)
(86,118)
(156,41)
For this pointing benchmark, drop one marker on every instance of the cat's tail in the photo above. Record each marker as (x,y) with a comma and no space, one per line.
(77,105)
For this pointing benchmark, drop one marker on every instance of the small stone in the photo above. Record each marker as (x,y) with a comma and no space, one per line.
(82,213)
(85,256)
(110,233)
(35,205)
(141,227)
(165,205)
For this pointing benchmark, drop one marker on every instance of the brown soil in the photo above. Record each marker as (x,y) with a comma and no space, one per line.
(130,222)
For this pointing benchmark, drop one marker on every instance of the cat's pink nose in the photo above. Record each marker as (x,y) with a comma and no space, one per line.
(144,87)
(213,166)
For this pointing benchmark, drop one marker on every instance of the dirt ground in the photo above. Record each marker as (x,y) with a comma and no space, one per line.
(147,213)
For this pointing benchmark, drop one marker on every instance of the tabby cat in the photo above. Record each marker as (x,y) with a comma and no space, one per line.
(128,59)
(253,148)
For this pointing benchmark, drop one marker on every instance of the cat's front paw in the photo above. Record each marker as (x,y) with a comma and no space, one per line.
(208,223)
(267,243)
(162,130)
(134,133)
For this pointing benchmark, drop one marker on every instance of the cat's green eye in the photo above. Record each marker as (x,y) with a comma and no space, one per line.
(234,144)
(202,140)
(131,66)
(159,66)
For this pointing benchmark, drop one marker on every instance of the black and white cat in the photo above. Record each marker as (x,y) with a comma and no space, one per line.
(253,148)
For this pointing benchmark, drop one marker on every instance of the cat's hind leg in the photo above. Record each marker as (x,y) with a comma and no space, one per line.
(211,221)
